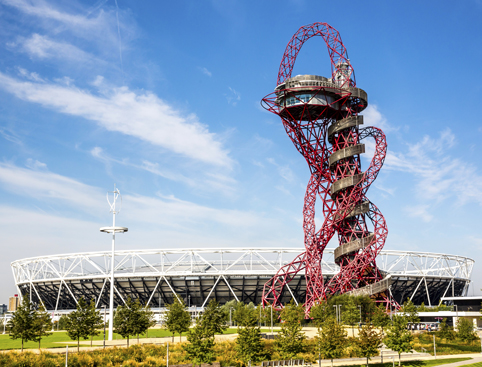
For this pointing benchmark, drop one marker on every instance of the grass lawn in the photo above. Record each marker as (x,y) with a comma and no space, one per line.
(430,363)
(479,364)
(58,338)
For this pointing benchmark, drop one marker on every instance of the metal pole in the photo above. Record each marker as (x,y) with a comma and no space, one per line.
(230,320)
(4,321)
(167,355)
(271,319)
(66,355)
(111,300)
(434,347)
(359,308)
(104,323)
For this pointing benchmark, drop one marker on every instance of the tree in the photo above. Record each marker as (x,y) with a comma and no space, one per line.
(128,319)
(331,339)
(320,312)
(446,332)
(369,341)
(465,330)
(351,315)
(290,338)
(249,344)
(398,337)
(200,348)
(213,319)
(78,323)
(244,313)
(380,317)
(43,324)
(144,319)
(22,324)
(410,313)
(177,318)
(94,321)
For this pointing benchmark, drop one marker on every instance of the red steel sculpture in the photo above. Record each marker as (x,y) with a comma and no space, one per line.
(321,117)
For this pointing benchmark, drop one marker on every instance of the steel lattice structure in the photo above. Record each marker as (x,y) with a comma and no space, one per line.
(321,117)
(154,276)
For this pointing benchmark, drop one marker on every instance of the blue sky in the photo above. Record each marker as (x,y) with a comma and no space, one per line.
(162,99)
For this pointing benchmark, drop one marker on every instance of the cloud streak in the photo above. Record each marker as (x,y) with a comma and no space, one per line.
(141,115)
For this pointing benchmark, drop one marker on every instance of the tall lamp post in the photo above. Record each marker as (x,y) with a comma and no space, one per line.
(113,230)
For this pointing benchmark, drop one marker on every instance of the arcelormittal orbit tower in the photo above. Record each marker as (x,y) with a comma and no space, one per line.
(322,118)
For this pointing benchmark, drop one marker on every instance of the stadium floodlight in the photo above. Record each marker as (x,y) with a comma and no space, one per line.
(116,195)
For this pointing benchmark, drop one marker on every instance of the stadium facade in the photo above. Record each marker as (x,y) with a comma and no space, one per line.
(198,275)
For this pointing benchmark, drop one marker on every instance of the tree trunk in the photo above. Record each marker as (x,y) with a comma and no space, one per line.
(137,339)
(127,341)
(173,337)
(353,330)
(367,361)
(78,344)
(91,337)
(22,345)
(180,334)
(39,344)
(399,358)
(332,362)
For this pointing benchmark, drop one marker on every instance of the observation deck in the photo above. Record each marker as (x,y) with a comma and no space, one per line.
(312,97)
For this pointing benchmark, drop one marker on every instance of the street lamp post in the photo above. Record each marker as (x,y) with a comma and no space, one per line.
(337,312)
(271,319)
(113,230)
(103,306)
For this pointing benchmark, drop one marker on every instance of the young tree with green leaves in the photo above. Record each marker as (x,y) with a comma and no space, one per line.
(200,346)
(320,312)
(351,315)
(249,344)
(213,319)
(290,338)
(43,324)
(369,341)
(380,317)
(177,318)
(331,339)
(410,312)
(398,337)
(94,321)
(126,318)
(445,331)
(144,320)
(22,325)
(465,330)
(78,322)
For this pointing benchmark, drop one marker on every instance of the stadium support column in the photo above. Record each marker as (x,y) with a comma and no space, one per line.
(113,230)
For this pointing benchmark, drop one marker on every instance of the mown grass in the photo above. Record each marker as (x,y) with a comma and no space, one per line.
(59,339)
(418,363)
(478,364)
(445,347)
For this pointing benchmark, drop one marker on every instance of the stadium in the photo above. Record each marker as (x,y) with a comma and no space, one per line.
(198,275)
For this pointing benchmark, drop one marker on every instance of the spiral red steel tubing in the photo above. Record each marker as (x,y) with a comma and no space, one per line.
(321,122)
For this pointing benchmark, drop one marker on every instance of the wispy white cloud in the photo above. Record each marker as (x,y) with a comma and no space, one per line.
(169,210)
(419,211)
(43,47)
(205,71)
(141,115)
(205,180)
(438,174)
(45,185)
(29,75)
(82,24)
(373,117)
(233,97)
(283,170)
